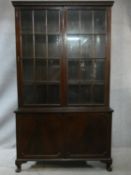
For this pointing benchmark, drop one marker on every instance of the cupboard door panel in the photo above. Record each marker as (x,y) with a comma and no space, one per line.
(40,135)
(86,134)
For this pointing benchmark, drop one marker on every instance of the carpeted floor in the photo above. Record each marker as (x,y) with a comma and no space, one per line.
(121,165)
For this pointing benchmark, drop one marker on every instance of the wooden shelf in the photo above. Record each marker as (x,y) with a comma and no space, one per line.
(85,82)
(42,82)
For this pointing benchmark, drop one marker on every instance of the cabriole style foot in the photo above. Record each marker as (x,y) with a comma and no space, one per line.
(108,164)
(109,168)
(18,165)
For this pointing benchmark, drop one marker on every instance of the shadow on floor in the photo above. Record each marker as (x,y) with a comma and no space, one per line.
(62,164)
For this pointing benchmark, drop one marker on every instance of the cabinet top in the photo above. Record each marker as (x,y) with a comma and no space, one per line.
(57,3)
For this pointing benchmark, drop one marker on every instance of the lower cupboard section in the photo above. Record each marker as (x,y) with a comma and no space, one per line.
(63,136)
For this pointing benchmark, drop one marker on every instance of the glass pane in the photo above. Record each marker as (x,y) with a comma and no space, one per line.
(41,70)
(99,21)
(29,93)
(99,94)
(53,70)
(86,46)
(26,21)
(73,50)
(73,21)
(100,46)
(27,46)
(40,46)
(86,69)
(53,21)
(100,70)
(86,21)
(73,92)
(85,94)
(35,94)
(53,94)
(39,21)
(28,69)
(73,69)
(53,46)
(41,94)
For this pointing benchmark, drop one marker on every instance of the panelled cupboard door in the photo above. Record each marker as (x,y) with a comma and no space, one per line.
(41,135)
(86,134)
(64,56)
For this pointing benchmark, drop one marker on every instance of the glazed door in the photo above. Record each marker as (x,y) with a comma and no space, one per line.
(86,31)
(41,54)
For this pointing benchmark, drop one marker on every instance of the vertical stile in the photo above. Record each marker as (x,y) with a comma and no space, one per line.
(79,59)
(94,55)
(64,63)
(46,33)
(108,51)
(33,52)
(19,54)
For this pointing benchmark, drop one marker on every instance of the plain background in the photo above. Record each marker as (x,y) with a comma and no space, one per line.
(120,91)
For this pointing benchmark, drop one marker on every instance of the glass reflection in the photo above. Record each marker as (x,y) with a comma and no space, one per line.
(53,46)
(73,21)
(86,21)
(99,21)
(100,46)
(80,46)
(73,38)
(86,47)
(86,69)
(73,49)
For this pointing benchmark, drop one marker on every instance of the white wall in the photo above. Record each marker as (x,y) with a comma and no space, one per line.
(8,95)
(120,73)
